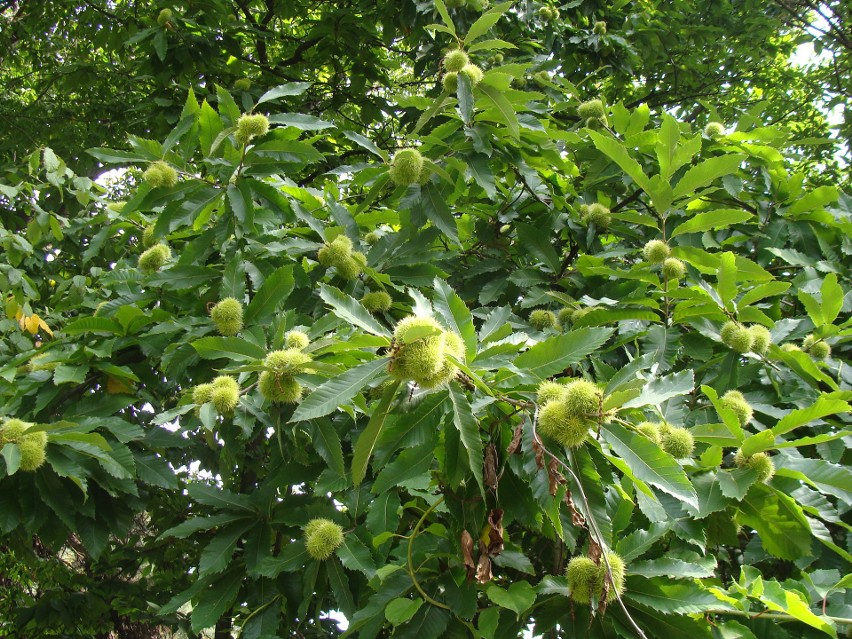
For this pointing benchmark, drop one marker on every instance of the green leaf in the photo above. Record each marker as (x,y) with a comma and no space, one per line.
(816,199)
(727,277)
(436,210)
(366,143)
(217,554)
(829,478)
(367,439)
(783,528)
(672,598)
(445,16)
(790,602)
(823,407)
(300,121)
(618,153)
(468,427)
(555,354)
(401,609)
(464,92)
(711,499)
(813,308)
(350,310)
(539,244)
(456,315)
(502,107)
(639,541)
(649,463)
(94,325)
(337,391)
(216,601)
(154,471)
(327,444)
(12,455)
(382,515)
(197,524)
(283,90)
(757,443)
(354,555)
(719,219)
(409,464)
(706,172)
(233,348)
(429,622)
(736,483)
(219,497)
(832,298)
(673,568)
(488,45)
(660,389)
(272,292)
(293,556)
(485,22)
(762,291)
(518,598)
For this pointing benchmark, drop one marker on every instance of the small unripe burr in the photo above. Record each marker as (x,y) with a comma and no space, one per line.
(322,538)
(455,60)
(656,251)
(160,174)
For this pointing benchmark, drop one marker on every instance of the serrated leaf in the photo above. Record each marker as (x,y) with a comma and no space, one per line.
(618,153)
(354,555)
(382,516)
(233,348)
(486,21)
(660,389)
(337,391)
(649,463)
(825,476)
(832,298)
(154,471)
(409,464)
(401,609)
(197,524)
(445,15)
(282,90)
(718,219)
(293,556)
(555,354)
(367,439)
(438,212)
(327,444)
(783,528)
(502,107)
(518,598)
(764,440)
(468,427)
(790,602)
(350,310)
(456,315)
(706,172)
(678,598)
(94,325)
(217,554)
(822,407)
(274,290)
(12,455)
(219,497)
(215,601)
(673,568)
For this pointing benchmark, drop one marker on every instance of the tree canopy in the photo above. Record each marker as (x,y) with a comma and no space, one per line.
(424,319)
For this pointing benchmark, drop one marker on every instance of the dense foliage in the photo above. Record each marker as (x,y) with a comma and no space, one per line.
(552,334)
